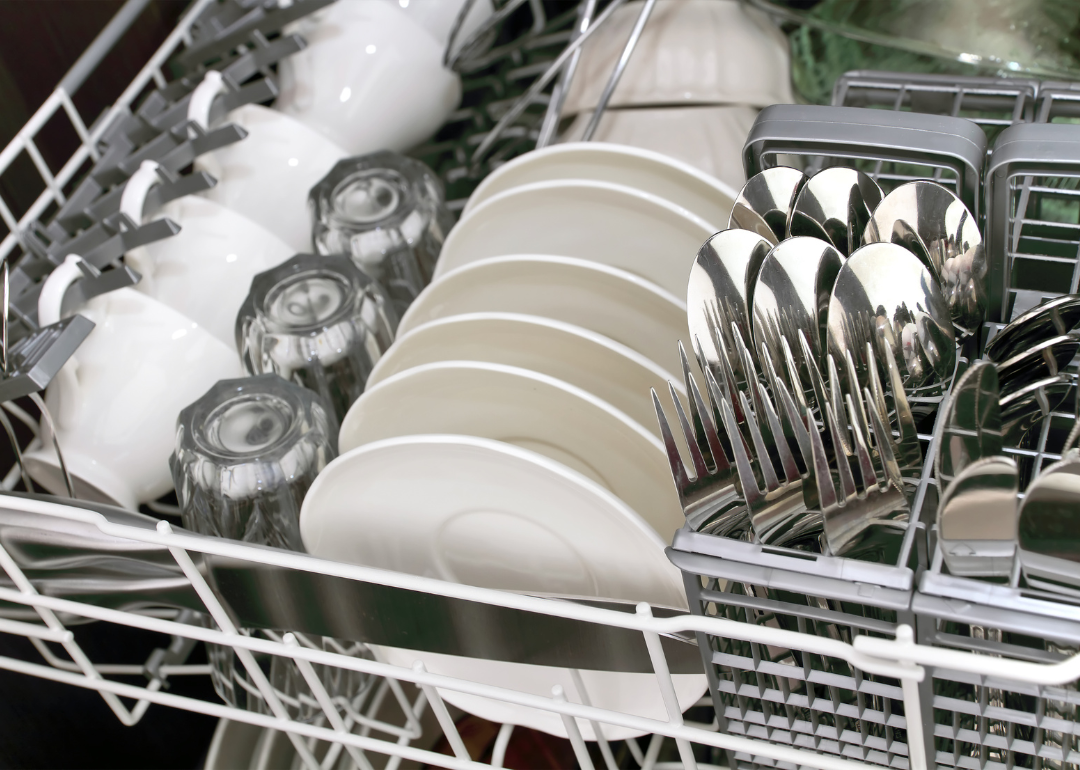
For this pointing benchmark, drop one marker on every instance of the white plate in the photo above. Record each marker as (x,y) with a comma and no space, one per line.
(652,172)
(607,223)
(484,513)
(690,52)
(592,362)
(709,139)
(532,411)
(606,300)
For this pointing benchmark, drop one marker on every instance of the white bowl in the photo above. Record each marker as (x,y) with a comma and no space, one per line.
(606,223)
(529,410)
(611,302)
(651,172)
(709,139)
(690,52)
(266,176)
(369,78)
(610,371)
(484,513)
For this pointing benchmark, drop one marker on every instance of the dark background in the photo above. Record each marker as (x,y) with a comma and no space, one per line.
(44,724)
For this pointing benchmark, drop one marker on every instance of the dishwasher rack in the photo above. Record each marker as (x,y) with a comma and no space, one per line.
(501,122)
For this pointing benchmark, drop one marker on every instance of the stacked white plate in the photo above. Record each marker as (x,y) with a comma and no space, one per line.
(507,438)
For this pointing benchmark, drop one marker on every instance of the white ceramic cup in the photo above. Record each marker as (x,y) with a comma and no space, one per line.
(438,17)
(205,270)
(115,401)
(370,78)
(265,176)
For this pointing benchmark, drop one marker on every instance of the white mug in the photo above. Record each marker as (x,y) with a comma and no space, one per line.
(115,402)
(438,17)
(267,175)
(205,270)
(370,78)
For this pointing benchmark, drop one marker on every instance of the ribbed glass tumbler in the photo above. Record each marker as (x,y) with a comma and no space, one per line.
(320,322)
(389,213)
(246,453)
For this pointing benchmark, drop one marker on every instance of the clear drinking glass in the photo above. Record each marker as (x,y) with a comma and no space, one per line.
(388,212)
(245,455)
(318,321)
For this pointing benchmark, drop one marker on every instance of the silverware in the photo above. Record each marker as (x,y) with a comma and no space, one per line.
(1052,318)
(765,202)
(1048,525)
(934,224)
(884,294)
(835,205)
(719,291)
(792,293)
(1028,406)
(970,427)
(976,518)
(1041,361)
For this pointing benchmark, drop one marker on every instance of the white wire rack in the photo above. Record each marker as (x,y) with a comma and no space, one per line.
(361,737)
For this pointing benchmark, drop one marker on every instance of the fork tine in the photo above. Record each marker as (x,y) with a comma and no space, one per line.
(751,377)
(884,441)
(836,400)
(750,492)
(707,439)
(854,388)
(700,469)
(678,470)
(875,383)
(727,374)
(816,380)
(822,474)
(783,449)
(793,422)
(768,472)
(847,481)
(794,380)
(726,436)
(909,436)
(866,468)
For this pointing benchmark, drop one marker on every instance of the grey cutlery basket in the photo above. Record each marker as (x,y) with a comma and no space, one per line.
(997,144)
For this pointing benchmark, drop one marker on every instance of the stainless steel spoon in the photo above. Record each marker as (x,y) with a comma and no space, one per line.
(1048,525)
(1043,360)
(934,224)
(977,518)
(1050,319)
(1025,408)
(835,205)
(765,201)
(970,428)
(792,294)
(884,293)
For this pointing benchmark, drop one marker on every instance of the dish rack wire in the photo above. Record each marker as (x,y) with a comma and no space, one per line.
(865,625)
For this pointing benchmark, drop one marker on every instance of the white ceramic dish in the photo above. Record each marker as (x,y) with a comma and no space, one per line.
(610,371)
(369,79)
(485,513)
(232,746)
(710,139)
(690,52)
(531,411)
(607,223)
(611,302)
(266,176)
(438,17)
(651,172)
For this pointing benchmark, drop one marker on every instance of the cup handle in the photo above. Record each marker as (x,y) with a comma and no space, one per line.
(133,199)
(49,302)
(202,98)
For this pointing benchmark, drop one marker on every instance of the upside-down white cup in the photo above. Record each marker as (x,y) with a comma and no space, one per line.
(115,402)
(370,78)
(266,175)
(205,270)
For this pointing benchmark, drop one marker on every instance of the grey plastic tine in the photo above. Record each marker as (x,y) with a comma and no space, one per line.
(940,141)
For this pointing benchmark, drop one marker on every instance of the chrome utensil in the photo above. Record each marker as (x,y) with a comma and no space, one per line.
(1052,318)
(970,427)
(791,294)
(1025,408)
(1041,361)
(976,518)
(835,205)
(884,294)
(765,201)
(1048,523)
(719,292)
(934,224)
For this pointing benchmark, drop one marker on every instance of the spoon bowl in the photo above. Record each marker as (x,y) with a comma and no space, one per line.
(765,202)
(835,205)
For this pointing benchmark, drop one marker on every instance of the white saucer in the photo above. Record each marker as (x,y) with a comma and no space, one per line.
(531,411)
(612,302)
(484,513)
(651,172)
(592,362)
(607,223)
